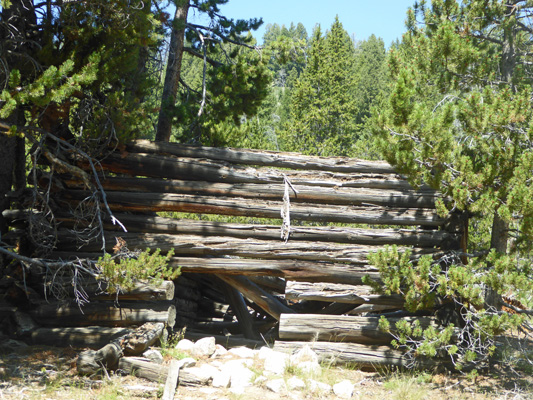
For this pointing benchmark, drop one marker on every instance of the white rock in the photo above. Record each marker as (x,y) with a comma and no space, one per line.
(220,351)
(344,389)
(200,373)
(154,356)
(185,345)
(304,354)
(240,376)
(309,367)
(209,370)
(204,347)
(264,352)
(221,379)
(243,362)
(319,387)
(276,385)
(243,352)
(295,383)
(187,362)
(276,362)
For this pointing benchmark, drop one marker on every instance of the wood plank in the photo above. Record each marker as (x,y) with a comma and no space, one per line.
(199,246)
(333,195)
(365,356)
(338,328)
(124,201)
(261,157)
(340,293)
(172,380)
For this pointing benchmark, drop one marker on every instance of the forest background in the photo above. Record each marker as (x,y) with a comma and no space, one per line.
(449,105)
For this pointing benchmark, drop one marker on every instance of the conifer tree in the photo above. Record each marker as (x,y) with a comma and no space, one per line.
(459,118)
(322,102)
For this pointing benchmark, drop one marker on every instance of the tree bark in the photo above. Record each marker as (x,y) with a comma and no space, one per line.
(173,71)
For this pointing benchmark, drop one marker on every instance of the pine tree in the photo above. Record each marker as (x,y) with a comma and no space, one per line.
(322,102)
(459,118)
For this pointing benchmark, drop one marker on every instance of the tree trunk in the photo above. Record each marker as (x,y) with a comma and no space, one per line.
(172,76)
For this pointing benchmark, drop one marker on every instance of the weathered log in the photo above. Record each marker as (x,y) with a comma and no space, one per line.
(254,293)
(93,337)
(371,308)
(274,283)
(172,380)
(338,328)
(340,293)
(124,201)
(138,341)
(199,246)
(143,368)
(104,314)
(290,269)
(368,357)
(333,195)
(261,157)
(154,224)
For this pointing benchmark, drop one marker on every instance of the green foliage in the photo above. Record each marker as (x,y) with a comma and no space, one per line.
(146,266)
(322,106)
(424,284)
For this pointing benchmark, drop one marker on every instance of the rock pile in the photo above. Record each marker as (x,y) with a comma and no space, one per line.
(243,371)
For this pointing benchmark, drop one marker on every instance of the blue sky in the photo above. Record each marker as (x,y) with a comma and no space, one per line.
(361,18)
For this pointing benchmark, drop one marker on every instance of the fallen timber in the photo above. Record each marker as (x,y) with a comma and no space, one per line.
(319,271)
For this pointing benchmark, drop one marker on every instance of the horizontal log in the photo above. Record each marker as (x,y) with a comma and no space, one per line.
(199,246)
(296,270)
(370,175)
(340,293)
(333,195)
(104,314)
(143,368)
(365,356)
(338,328)
(93,337)
(124,201)
(260,157)
(154,224)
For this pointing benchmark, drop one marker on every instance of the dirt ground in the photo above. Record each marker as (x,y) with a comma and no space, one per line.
(50,373)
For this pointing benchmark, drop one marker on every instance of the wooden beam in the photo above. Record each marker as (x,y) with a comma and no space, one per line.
(338,328)
(254,293)
(199,246)
(143,202)
(333,195)
(368,357)
(261,157)
(340,293)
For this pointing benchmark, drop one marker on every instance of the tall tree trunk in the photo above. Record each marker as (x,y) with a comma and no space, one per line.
(172,76)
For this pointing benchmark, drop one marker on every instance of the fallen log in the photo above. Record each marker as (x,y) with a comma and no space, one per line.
(333,195)
(364,356)
(143,368)
(340,293)
(338,328)
(155,202)
(104,314)
(132,343)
